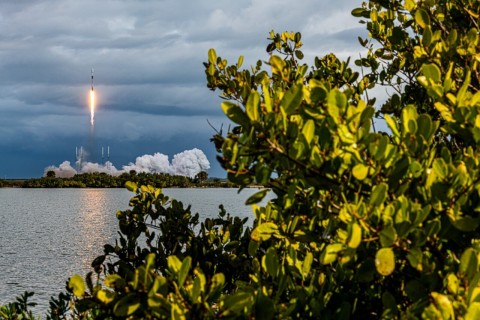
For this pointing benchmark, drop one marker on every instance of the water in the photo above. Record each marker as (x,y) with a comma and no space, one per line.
(47,235)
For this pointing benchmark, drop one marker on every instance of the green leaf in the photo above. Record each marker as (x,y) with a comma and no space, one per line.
(427,36)
(307,264)
(388,236)
(235,113)
(106,296)
(444,111)
(212,56)
(422,18)
(174,264)
(264,231)
(252,107)
(112,280)
(465,223)
(77,285)
(415,257)
(277,65)
(239,62)
(270,262)
(469,263)
(379,194)
(444,304)
(127,305)
(336,103)
(292,99)
(453,283)
(355,236)
(329,255)
(299,54)
(473,312)
(432,72)
(183,272)
(256,197)
(360,171)
(217,283)
(392,124)
(359,12)
(308,130)
(238,301)
(385,261)
(131,186)
(440,168)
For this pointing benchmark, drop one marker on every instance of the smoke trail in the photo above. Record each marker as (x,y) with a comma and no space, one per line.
(92,107)
(187,163)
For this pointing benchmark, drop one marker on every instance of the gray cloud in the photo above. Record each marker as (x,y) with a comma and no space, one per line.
(149,75)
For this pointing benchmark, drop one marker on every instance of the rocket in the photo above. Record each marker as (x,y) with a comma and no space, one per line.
(92,79)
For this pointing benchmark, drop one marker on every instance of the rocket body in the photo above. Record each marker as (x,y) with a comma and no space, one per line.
(92,79)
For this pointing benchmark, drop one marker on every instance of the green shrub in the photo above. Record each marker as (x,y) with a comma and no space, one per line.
(363,224)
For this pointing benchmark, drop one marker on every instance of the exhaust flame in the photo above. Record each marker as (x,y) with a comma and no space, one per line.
(92,107)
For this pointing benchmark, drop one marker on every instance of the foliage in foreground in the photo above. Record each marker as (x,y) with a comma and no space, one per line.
(364,224)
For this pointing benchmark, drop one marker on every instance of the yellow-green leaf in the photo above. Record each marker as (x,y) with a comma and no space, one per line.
(422,18)
(131,186)
(264,231)
(473,312)
(127,305)
(432,72)
(183,272)
(292,99)
(360,171)
(277,64)
(77,285)
(444,304)
(308,130)
(174,263)
(240,62)
(234,113)
(355,236)
(253,104)
(212,56)
(111,280)
(106,296)
(385,261)
(329,255)
(379,194)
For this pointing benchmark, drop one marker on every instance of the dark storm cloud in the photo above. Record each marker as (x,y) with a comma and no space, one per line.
(149,77)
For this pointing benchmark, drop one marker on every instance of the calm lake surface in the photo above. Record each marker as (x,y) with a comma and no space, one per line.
(47,235)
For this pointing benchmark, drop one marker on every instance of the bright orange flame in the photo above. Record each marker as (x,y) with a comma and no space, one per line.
(92,106)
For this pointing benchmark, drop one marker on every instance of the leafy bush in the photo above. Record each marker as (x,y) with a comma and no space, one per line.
(364,224)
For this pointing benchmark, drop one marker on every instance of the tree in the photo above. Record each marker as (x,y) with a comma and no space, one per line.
(50,174)
(363,225)
(201,177)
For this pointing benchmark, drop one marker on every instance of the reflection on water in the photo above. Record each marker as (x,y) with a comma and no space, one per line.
(47,235)
(93,219)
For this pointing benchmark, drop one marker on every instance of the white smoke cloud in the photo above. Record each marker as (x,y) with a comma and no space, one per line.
(187,163)
(158,163)
(190,162)
(64,170)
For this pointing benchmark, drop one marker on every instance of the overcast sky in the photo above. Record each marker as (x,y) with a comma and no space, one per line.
(149,78)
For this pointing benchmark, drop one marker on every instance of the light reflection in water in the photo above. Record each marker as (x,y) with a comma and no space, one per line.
(93,221)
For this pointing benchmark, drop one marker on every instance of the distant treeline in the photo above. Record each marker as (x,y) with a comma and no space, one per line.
(103,180)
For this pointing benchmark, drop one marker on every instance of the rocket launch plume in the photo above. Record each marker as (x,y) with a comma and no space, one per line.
(92,107)
(92,103)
